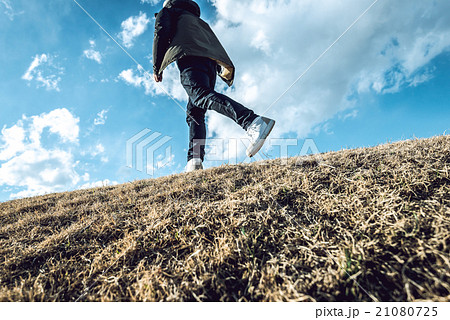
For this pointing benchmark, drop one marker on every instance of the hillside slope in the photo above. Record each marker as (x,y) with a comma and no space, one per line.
(360,225)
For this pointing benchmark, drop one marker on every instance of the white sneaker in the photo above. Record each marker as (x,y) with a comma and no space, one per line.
(194,164)
(258,132)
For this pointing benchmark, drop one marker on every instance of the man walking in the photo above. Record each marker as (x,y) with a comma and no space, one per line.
(181,36)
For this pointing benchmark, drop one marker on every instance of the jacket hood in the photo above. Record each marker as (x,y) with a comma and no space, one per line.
(187,5)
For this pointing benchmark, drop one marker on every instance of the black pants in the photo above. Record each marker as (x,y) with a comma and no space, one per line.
(198,77)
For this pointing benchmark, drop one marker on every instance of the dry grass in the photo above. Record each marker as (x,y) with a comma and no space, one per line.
(362,225)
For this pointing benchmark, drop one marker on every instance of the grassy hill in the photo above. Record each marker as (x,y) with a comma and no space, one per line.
(360,225)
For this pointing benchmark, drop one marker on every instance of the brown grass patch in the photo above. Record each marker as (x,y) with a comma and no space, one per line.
(361,225)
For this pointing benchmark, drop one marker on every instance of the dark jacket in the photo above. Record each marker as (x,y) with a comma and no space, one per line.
(180,32)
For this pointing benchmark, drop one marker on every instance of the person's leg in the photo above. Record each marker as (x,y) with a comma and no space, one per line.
(198,78)
(195,118)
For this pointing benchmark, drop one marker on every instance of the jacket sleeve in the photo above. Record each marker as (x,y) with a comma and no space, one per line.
(161,41)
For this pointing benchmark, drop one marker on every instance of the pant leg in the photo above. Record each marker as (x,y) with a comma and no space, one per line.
(195,118)
(198,77)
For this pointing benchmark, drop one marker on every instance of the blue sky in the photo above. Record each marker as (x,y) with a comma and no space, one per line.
(71,98)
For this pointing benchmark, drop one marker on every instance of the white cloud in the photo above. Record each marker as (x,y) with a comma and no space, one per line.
(261,42)
(98,149)
(96,184)
(170,85)
(7,4)
(86,177)
(39,171)
(152,2)
(136,81)
(132,28)
(9,10)
(101,118)
(350,114)
(94,151)
(389,49)
(27,165)
(13,141)
(58,121)
(45,72)
(93,54)
(104,159)
(37,61)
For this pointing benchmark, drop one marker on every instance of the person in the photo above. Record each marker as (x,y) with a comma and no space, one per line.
(181,36)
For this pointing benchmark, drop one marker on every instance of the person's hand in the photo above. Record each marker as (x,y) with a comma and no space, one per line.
(158,77)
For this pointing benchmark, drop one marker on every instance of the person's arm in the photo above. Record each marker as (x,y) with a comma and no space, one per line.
(161,40)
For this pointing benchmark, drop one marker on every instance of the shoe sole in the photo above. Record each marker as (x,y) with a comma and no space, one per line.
(195,169)
(261,141)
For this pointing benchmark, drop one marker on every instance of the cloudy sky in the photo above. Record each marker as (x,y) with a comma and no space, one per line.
(71,98)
